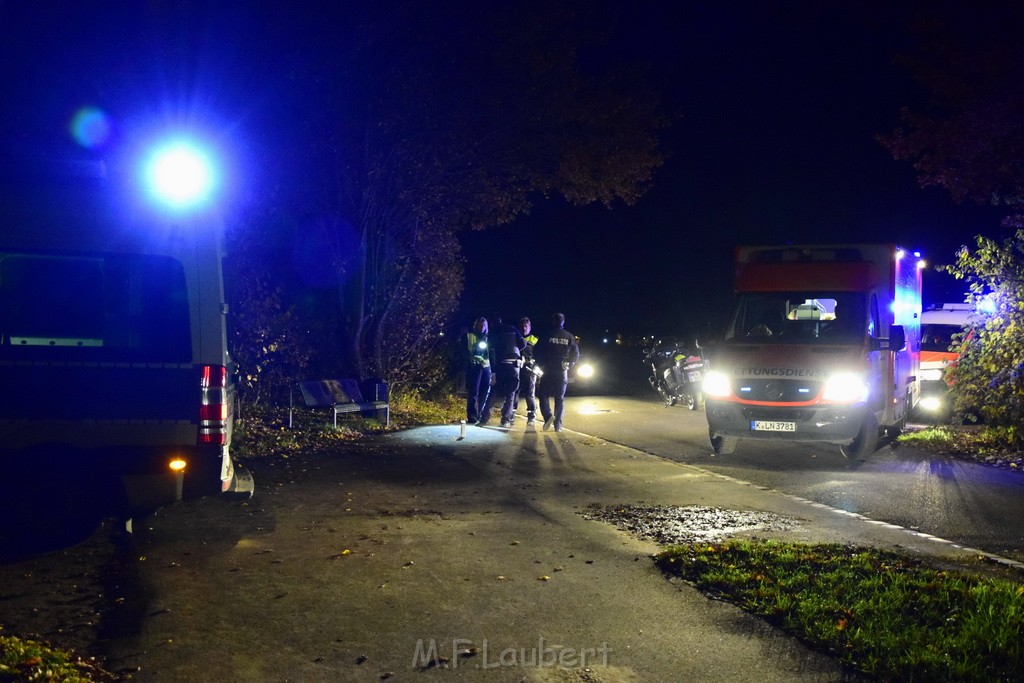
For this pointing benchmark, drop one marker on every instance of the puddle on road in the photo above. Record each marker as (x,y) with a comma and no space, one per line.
(670,525)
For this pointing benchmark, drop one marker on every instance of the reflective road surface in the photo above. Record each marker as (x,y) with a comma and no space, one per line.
(974,505)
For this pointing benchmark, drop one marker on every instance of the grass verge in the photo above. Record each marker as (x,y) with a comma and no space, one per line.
(987,445)
(880,613)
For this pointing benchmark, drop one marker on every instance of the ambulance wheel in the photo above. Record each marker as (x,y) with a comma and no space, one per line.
(866,441)
(722,445)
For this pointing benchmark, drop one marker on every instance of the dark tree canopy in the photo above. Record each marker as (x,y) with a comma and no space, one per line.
(483,107)
(968,137)
(421,119)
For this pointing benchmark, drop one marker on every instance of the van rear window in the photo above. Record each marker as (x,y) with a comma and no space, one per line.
(95,307)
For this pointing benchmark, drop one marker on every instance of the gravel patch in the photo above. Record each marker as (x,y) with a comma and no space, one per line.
(673,525)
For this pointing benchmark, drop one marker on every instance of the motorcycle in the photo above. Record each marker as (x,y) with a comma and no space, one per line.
(677,371)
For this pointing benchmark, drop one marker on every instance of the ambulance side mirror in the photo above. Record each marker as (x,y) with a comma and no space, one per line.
(897,340)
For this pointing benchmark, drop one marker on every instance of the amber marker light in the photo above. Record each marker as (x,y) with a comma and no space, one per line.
(178,467)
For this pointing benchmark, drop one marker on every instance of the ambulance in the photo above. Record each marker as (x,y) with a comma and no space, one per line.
(823,345)
(939,325)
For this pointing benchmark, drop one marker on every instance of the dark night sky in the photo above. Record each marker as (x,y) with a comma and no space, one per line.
(777,105)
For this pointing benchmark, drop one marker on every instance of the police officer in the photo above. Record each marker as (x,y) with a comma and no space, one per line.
(507,344)
(477,351)
(556,352)
(528,373)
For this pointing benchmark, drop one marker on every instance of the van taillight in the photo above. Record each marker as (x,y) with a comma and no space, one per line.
(213,405)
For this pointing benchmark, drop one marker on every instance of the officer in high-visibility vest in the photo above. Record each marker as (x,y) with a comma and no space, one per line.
(478,369)
(529,373)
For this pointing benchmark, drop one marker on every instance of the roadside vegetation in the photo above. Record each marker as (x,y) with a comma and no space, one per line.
(877,612)
(28,660)
(262,430)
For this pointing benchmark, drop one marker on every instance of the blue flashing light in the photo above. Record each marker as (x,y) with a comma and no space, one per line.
(180,175)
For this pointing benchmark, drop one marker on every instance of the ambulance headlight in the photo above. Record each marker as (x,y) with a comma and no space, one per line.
(716,384)
(931,403)
(845,387)
(931,374)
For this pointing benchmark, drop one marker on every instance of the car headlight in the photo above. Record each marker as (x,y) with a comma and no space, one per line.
(716,384)
(585,371)
(845,387)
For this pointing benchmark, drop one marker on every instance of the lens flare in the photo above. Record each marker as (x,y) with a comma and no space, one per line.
(90,127)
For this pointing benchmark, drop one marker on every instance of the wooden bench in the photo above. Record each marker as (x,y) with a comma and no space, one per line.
(343,396)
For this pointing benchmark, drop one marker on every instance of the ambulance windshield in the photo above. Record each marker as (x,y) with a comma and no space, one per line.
(799,318)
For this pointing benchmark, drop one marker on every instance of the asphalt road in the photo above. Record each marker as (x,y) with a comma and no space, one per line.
(969,503)
(350,567)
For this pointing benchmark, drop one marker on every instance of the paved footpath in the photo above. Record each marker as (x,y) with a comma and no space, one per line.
(422,556)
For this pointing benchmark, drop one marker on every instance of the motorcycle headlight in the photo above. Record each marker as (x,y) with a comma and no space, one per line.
(716,384)
(845,387)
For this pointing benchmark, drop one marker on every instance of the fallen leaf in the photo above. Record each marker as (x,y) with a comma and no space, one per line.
(436,661)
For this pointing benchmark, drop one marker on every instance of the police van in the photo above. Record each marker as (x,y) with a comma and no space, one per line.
(116,390)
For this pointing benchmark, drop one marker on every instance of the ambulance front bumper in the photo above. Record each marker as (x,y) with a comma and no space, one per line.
(830,424)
